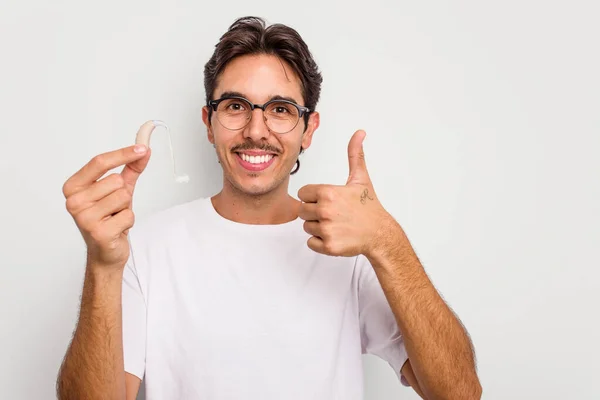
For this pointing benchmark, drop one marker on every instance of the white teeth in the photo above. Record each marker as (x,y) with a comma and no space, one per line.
(256,159)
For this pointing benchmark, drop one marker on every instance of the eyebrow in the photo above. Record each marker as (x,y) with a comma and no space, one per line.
(274,97)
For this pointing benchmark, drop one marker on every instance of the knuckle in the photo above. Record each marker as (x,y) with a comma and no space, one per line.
(324,213)
(84,221)
(66,189)
(73,203)
(327,193)
(99,161)
(329,247)
(327,231)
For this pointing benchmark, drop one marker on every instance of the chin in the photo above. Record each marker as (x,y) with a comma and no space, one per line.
(255,188)
(256,184)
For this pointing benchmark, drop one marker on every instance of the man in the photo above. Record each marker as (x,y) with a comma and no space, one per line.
(252,294)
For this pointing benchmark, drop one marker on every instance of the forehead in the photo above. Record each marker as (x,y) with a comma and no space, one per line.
(259,78)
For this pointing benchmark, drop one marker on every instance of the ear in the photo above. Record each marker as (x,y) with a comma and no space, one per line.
(209,132)
(313,123)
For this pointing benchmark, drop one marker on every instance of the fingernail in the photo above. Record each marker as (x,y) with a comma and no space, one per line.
(139,148)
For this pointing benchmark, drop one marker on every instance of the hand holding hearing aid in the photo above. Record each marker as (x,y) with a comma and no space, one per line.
(102,208)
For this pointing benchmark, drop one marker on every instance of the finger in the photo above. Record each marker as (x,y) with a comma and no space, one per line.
(356,158)
(308,211)
(313,228)
(100,165)
(309,193)
(316,244)
(122,221)
(89,196)
(115,202)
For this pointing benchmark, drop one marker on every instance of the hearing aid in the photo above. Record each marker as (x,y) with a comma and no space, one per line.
(143,137)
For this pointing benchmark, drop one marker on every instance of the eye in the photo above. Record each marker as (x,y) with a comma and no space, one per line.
(236,106)
(282,108)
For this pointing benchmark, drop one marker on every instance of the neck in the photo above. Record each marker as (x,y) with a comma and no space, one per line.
(274,207)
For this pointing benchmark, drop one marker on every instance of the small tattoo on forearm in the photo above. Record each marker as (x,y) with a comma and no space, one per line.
(364,196)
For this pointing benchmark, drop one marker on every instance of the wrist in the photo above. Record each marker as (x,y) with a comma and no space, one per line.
(103,273)
(387,236)
(392,251)
(98,267)
(104,280)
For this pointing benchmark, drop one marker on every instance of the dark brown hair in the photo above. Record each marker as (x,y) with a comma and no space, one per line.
(250,35)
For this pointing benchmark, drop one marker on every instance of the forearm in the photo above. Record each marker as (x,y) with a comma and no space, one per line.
(438,346)
(93,366)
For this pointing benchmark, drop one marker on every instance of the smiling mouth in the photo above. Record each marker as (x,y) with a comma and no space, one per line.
(255,161)
(259,158)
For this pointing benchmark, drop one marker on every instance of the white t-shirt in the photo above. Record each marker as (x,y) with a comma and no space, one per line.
(215,309)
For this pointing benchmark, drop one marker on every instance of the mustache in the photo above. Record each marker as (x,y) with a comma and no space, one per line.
(254,146)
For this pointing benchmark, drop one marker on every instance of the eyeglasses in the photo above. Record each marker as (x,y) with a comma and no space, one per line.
(235,112)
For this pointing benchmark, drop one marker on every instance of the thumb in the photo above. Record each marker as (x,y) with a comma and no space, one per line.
(356,159)
(132,171)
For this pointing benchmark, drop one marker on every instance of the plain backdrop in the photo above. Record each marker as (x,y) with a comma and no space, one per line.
(482,120)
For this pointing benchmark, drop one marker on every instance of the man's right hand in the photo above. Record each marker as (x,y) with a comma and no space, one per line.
(102,208)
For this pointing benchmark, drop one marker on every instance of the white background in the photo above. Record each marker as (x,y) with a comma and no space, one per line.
(482,120)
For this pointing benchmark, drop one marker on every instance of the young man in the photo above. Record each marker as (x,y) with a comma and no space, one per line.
(252,294)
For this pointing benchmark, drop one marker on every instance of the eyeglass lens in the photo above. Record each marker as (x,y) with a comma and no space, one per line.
(281,117)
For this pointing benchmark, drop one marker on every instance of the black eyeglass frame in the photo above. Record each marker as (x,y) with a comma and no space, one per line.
(213,104)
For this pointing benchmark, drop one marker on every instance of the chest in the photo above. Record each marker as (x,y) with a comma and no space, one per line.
(280,301)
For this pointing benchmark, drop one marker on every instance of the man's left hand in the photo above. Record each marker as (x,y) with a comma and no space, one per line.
(344,220)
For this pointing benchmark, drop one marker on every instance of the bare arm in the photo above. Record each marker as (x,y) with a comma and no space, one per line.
(409,374)
(93,366)
(442,358)
(132,384)
(349,220)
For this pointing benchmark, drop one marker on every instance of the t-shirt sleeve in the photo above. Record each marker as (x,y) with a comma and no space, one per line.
(134,321)
(380,335)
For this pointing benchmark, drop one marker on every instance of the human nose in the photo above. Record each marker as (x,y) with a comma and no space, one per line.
(257,128)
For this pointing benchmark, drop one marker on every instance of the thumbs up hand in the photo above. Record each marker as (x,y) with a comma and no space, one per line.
(344,220)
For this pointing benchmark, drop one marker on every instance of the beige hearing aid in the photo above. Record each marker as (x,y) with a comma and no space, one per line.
(143,137)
